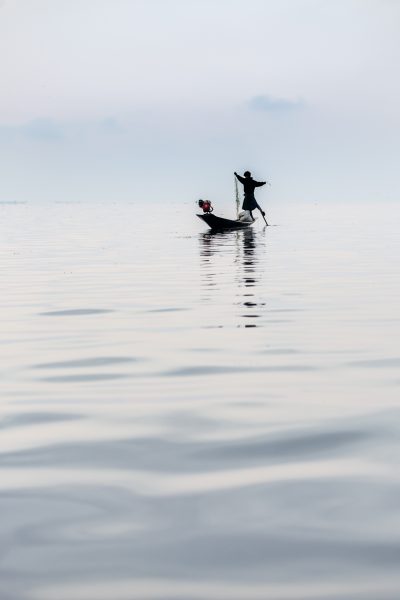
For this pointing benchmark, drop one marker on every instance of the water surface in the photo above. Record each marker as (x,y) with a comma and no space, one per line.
(199,416)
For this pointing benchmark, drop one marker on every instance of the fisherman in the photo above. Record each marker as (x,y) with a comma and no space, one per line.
(249,185)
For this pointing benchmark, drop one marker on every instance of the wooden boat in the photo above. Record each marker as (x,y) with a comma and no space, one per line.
(220,224)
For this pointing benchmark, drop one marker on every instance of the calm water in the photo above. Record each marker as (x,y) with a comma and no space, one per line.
(194,416)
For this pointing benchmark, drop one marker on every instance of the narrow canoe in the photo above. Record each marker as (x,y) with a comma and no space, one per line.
(220,223)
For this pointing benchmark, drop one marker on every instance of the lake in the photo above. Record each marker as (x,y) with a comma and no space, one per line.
(197,416)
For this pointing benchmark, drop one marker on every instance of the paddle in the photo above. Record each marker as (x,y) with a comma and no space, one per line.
(262,212)
(263,216)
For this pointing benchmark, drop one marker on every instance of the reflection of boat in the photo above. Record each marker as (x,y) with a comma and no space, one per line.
(219,223)
(232,265)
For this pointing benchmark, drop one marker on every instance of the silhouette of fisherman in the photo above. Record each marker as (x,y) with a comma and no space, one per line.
(249,185)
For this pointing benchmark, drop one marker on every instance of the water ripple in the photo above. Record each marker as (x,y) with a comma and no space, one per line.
(75,312)
(383,363)
(83,377)
(196,370)
(98,361)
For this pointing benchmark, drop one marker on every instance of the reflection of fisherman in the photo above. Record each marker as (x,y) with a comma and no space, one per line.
(249,185)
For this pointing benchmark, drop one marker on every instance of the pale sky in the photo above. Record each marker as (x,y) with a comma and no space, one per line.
(144,100)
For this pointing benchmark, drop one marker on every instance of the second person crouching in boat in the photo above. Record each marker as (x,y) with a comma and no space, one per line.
(249,185)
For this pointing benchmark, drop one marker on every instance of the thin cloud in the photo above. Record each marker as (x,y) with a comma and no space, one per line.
(110,125)
(42,129)
(270,104)
(48,130)
(37,129)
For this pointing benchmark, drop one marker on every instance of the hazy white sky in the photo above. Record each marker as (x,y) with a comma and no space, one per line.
(164,99)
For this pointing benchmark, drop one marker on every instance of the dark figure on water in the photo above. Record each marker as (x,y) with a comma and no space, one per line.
(249,185)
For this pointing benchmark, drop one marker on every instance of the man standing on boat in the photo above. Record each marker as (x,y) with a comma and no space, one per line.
(249,185)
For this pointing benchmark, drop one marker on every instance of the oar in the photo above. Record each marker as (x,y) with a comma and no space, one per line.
(262,212)
(263,216)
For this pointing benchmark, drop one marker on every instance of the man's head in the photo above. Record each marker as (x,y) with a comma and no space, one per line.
(247,174)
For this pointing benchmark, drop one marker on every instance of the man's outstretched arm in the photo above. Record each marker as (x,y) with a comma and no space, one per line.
(259,183)
(241,179)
